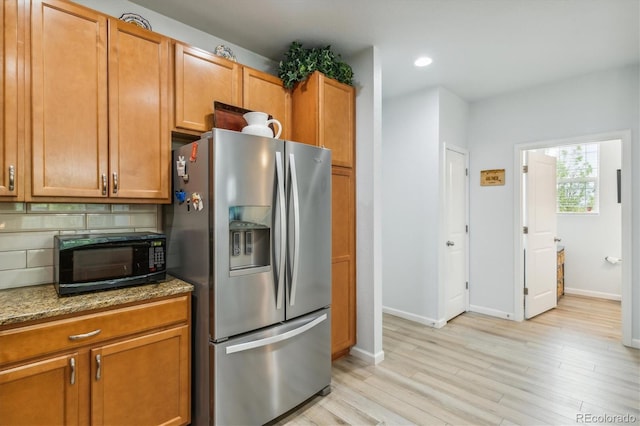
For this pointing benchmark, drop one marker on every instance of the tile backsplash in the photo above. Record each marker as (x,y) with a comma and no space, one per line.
(27,231)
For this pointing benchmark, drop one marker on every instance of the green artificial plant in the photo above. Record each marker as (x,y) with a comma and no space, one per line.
(299,63)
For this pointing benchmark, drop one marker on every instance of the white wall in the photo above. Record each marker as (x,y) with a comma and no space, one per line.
(368,83)
(453,119)
(410,205)
(415,127)
(588,239)
(599,102)
(179,31)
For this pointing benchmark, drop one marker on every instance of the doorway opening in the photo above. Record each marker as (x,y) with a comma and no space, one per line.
(582,229)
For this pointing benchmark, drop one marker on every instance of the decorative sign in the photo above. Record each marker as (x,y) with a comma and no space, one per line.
(492,177)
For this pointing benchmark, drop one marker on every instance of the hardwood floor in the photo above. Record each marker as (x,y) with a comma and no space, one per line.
(563,367)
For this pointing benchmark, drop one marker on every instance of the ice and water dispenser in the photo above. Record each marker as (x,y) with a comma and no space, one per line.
(249,238)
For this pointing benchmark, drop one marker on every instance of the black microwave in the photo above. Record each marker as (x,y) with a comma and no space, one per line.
(90,262)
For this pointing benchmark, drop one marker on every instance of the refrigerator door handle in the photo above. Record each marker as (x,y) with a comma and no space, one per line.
(283,230)
(274,339)
(296,228)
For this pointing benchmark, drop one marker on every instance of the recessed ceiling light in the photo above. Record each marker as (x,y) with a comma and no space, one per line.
(423,61)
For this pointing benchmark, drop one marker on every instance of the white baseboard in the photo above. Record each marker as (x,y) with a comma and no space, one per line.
(367,356)
(415,318)
(590,293)
(492,312)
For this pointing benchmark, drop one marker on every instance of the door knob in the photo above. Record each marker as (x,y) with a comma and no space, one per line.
(450,243)
(557,240)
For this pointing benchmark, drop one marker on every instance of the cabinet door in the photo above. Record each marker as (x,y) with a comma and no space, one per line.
(144,380)
(264,92)
(343,291)
(336,121)
(200,79)
(69,100)
(41,393)
(10,180)
(139,133)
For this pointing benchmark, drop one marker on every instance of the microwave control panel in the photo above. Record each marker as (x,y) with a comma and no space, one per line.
(156,256)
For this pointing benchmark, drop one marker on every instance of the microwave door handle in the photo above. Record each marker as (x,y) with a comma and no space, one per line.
(296,228)
(283,229)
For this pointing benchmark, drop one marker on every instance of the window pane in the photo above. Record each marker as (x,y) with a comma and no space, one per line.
(577,177)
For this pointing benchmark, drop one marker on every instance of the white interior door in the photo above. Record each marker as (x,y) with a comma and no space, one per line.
(456,292)
(540,246)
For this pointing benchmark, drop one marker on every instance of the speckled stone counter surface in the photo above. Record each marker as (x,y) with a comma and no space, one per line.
(23,304)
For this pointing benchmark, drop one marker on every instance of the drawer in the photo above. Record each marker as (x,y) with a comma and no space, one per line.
(39,339)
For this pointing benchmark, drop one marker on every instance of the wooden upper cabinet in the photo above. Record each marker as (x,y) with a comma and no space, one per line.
(69,100)
(200,79)
(100,106)
(323,115)
(139,130)
(10,72)
(264,92)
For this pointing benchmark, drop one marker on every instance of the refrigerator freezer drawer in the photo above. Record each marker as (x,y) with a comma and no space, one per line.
(258,377)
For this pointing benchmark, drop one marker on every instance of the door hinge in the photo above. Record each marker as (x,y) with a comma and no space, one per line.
(525,229)
(467,285)
(466,172)
(526,291)
(525,169)
(466,228)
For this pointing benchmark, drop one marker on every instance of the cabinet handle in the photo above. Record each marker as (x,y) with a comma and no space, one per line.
(98,366)
(104,184)
(12,178)
(115,182)
(85,335)
(72,364)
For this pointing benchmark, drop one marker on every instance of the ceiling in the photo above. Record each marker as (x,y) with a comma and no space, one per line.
(480,48)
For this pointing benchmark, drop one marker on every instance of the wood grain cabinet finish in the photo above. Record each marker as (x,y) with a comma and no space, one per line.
(264,92)
(11,102)
(323,115)
(138,378)
(200,79)
(343,262)
(41,392)
(100,106)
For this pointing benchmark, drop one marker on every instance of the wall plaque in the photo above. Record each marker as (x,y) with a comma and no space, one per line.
(492,177)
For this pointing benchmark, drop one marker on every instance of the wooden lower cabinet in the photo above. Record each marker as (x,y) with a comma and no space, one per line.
(142,381)
(343,280)
(143,377)
(560,265)
(40,392)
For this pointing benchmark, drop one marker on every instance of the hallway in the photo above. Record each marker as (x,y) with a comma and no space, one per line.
(557,369)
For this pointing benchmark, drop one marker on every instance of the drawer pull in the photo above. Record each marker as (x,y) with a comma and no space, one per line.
(72,363)
(85,335)
(115,182)
(98,366)
(12,177)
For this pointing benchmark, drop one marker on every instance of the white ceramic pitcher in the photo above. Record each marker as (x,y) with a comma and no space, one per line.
(258,124)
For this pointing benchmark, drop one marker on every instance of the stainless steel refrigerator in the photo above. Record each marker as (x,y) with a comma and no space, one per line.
(250,227)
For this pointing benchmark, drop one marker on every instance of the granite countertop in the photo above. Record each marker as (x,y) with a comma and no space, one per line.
(23,304)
